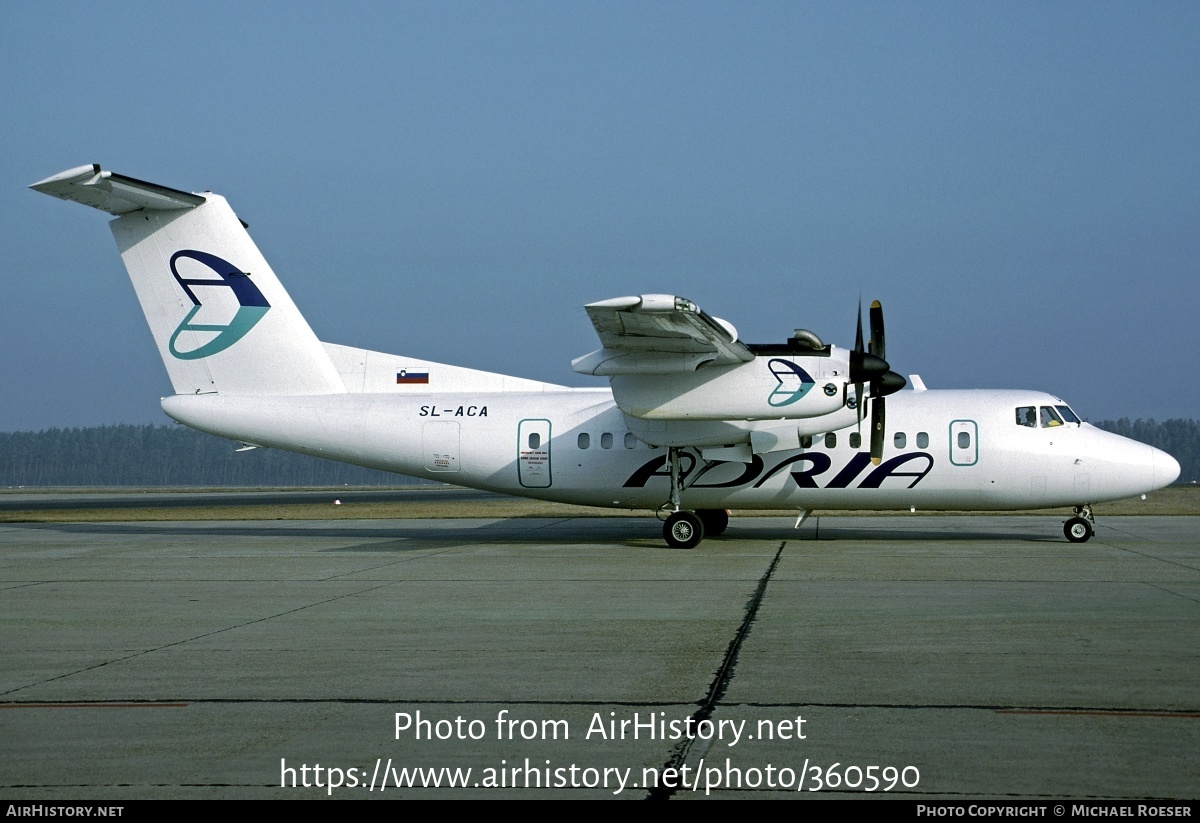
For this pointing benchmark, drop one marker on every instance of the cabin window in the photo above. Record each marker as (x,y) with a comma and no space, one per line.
(922,440)
(535,440)
(585,440)
(900,440)
(630,440)
(806,441)
(1027,416)
(964,440)
(1067,414)
(606,440)
(855,440)
(1050,417)
(831,441)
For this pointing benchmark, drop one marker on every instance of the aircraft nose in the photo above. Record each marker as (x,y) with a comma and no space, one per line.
(1166,468)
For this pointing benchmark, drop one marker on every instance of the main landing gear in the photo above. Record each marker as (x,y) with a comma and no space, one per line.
(1080,527)
(715,521)
(685,529)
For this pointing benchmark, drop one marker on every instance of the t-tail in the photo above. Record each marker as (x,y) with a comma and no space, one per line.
(222,321)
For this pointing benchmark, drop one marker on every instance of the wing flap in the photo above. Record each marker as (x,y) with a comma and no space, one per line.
(658,334)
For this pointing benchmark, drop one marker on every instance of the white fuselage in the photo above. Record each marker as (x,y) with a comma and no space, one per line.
(946,450)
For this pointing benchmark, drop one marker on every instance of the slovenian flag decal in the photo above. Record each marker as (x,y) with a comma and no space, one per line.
(412,376)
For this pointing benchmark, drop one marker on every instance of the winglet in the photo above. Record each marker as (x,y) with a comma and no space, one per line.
(114,193)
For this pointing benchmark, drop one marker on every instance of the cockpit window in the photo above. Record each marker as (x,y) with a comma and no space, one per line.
(1027,416)
(1067,414)
(1050,417)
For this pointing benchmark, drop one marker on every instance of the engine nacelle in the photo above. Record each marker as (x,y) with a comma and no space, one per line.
(766,388)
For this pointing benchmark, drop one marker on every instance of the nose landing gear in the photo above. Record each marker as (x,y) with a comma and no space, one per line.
(1080,527)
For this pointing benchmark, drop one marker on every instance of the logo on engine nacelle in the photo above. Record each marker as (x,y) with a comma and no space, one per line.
(794,382)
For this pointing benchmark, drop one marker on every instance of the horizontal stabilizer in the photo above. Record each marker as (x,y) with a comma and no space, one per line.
(114,193)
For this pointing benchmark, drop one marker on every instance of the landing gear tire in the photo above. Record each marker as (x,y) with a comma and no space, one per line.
(1077,530)
(683,530)
(715,521)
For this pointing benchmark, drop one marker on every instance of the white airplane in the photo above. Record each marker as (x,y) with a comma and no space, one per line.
(694,423)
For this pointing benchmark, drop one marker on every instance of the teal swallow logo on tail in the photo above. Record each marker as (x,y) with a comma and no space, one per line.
(251,304)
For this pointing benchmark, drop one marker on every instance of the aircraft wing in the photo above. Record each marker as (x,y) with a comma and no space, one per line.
(658,334)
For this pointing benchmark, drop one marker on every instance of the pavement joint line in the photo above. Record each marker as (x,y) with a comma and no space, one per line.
(1168,591)
(1102,713)
(99,704)
(909,794)
(1159,559)
(26,584)
(720,682)
(144,652)
(1119,710)
(1125,533)
(172,702)
(542,522)
(408,558)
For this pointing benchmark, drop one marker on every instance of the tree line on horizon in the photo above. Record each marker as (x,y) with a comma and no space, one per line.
(166,455)
(172,455)
(1178,437)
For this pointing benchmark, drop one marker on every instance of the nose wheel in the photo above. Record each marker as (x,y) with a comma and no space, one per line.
(1080,528)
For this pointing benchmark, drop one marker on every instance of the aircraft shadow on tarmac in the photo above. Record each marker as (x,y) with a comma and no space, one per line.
(414,535)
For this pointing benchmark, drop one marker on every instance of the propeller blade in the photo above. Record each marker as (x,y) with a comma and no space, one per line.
(871,367)
(856,365)
(877,345)
(878,422)
(858,335)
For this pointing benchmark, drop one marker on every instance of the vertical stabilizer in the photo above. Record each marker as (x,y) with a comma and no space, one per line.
(221,319)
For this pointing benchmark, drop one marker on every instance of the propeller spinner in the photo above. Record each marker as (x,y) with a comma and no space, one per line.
(872,368)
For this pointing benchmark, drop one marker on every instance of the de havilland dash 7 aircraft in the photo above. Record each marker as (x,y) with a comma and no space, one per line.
(694,422)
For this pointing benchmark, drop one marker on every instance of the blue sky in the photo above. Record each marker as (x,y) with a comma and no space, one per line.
(1019,183)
